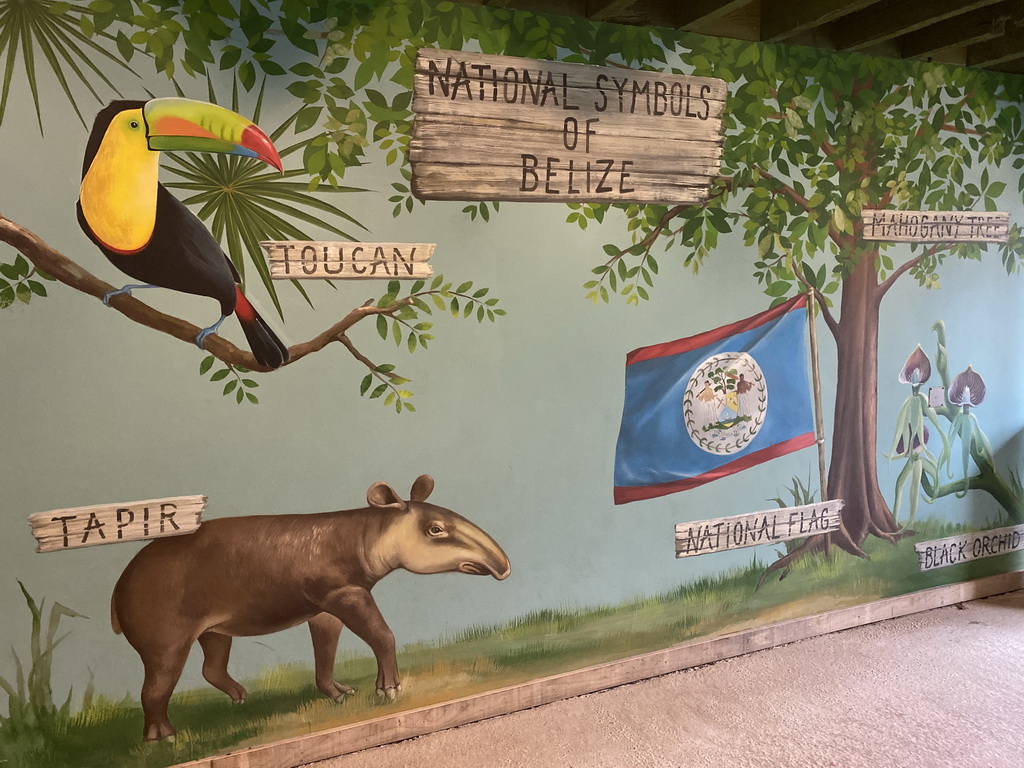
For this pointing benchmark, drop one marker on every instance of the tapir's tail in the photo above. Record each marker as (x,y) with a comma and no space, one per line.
(266,347)
(114,623)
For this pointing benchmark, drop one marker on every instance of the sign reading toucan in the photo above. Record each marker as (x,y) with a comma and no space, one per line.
(310,260)
(112,523)
(505,128)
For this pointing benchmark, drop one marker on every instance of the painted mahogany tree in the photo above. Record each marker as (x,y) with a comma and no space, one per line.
(812,142)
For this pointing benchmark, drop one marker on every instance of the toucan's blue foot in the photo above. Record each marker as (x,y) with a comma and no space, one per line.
(207,331)
(126,291)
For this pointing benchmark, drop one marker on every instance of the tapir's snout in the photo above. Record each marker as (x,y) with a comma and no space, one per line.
(430,539)
(490,559)
(499,568)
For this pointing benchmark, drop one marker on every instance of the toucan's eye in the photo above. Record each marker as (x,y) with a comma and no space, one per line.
(134,124)
(436,529)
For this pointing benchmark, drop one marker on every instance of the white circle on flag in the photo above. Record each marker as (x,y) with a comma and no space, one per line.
(725,403)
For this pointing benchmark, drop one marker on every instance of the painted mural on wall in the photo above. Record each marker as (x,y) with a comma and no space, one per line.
(814,144)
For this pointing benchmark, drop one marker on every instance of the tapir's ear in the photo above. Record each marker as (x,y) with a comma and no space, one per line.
(422,488)
(382,495)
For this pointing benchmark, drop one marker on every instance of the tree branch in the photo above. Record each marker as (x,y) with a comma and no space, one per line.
(826,315)
(59,266)
(902,269)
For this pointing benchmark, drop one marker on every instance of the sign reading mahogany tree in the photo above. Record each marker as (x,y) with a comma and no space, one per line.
(505,128)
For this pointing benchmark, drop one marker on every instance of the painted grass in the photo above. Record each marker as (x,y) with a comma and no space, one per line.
(283,702)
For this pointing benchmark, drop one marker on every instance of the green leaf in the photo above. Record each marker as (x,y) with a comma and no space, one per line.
(220,375)
(380,390)
(247,75)
(382,326)
(364,386)
(206,365)
(230,386)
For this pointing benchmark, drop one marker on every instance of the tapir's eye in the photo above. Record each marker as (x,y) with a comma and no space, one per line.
(436,529)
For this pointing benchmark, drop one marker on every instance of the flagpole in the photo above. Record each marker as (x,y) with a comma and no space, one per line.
(819,422)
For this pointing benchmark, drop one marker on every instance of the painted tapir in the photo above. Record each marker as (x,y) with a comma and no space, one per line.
(246,576)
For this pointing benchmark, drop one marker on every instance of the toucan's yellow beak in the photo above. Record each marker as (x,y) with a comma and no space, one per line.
(184,124)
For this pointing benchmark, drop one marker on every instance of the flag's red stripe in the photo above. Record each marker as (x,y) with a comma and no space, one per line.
(625,494)
(716,334)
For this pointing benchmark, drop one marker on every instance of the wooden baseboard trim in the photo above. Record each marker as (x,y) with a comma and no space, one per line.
(418,722)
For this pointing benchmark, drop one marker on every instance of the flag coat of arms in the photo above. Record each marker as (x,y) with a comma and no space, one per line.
(711,405)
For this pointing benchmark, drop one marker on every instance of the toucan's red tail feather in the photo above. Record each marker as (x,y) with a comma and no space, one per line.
(266,347)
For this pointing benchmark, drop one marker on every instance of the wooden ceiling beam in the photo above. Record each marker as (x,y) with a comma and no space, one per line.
(783,19)
(697,12)
(877,25)
(969,29)
(998,52)
(607,10)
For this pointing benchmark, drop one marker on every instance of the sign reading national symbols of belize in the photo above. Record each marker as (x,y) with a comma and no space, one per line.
(505,128)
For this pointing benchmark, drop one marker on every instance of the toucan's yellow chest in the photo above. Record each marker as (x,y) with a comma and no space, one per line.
(118,192)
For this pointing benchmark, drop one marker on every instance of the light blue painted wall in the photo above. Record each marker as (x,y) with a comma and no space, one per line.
(516,421)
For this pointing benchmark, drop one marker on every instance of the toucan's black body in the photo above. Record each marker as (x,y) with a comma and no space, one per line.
(182,255)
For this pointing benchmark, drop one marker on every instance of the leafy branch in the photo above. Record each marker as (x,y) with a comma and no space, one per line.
(461,301)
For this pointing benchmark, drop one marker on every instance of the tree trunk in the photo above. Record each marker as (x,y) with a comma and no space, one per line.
(853,474)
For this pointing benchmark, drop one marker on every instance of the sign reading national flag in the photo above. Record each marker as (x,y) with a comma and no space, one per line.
(711,405)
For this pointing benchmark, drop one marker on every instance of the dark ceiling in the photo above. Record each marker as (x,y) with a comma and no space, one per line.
(976,33)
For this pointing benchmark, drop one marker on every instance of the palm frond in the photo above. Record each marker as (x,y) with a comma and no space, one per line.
(52,30)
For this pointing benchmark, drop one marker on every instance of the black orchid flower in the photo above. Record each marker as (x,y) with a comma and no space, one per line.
(967,389)
(917,369)
(915,445)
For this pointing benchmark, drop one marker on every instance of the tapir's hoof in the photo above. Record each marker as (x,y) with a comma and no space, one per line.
(336,691)
(157,732)
(390,693)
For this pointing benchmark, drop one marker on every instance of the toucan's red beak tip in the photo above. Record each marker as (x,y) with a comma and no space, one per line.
(257,141)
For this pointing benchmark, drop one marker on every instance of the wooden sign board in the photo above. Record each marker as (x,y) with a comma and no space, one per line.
(312,260)
(504,128)
(61,529)
(936,226)
(722,533)
(941,553)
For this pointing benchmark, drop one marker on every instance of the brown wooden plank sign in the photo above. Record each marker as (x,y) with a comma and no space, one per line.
(61,529)
(936,226)
(504,128)
(706,536)
(953,550)
(316,260)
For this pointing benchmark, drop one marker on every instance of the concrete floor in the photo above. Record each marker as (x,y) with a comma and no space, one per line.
(937,689)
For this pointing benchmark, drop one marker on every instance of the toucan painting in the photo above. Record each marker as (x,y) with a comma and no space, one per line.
(149,234)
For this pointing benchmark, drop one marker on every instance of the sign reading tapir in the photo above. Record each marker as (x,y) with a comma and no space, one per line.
(936,226)
(305,260)
(705,536)
(112,523)
(504,128)
(953,550)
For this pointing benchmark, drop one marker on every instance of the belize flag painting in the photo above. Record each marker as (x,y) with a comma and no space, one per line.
(711,405)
